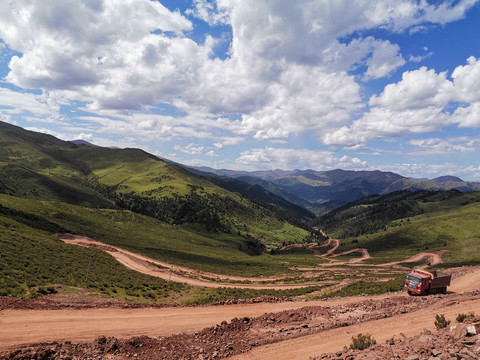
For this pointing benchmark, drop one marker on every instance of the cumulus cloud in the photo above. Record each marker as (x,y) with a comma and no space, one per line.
(192,149)
(14,102)
(385,59)
(95,50)
(398,16)
(438,146)
(285,158)
(417,104)
(208,12)
(288,70)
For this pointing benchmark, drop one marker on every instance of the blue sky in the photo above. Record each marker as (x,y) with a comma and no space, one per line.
(386,85)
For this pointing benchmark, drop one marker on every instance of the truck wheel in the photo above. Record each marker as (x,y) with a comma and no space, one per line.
(444,290)
(410,293)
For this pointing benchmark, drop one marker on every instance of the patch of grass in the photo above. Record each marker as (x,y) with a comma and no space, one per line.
(362,341)
(211,295)
(440,321)
(369,288)
(456,230)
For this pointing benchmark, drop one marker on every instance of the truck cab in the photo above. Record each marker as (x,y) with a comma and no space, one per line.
(422,282)
(416,283)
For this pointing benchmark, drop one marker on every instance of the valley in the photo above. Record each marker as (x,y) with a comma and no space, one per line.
(116,252)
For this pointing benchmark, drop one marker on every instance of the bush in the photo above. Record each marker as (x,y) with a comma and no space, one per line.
(362,341)
(441,322)
(470,317)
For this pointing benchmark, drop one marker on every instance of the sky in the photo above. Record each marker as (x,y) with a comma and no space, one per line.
(390,85)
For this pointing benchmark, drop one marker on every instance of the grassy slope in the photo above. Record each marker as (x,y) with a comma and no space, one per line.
(176,244)
(135,171)
(376,212)
(33,263)
(39,166)
(452,224)
(32,260)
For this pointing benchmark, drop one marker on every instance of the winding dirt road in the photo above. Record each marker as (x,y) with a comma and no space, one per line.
(147,265)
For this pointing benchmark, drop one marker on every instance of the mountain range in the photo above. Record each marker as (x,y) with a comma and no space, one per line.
(322,191)
(34,165)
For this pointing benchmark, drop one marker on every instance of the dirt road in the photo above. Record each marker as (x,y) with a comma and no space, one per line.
(146,265)
(33,326)
(333,340)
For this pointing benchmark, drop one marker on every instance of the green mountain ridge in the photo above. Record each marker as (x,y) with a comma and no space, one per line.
(401,224)
(322,191)
(39,166)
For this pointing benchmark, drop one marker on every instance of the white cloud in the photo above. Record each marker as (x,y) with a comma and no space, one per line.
(14,102)
(469,116)
(83,136)
(192,149)
(103,54)
(467,81)
(439,146)
(417,89)
(385,59)
(398,16)
(418,170)
(287,70)
(417,104)
(284,158)
(304,100)
(419,58)
(208,12)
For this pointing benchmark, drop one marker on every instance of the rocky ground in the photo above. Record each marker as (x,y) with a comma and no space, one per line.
(442,345)
(242,334)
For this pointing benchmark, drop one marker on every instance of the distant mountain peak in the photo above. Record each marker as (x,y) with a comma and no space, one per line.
(83,142)
(447,178)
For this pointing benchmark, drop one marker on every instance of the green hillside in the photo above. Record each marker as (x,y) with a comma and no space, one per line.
(131,199)
(431,221)
(41,167)
(376,212)
(181,245)
(34,263)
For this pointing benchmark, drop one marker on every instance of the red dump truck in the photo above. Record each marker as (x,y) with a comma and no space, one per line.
(421,282)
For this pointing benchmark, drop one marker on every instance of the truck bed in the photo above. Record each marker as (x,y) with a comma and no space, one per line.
(441,280)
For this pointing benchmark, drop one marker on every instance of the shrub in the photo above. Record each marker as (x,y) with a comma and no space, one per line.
(468,317)
(362,341)
(441,322)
